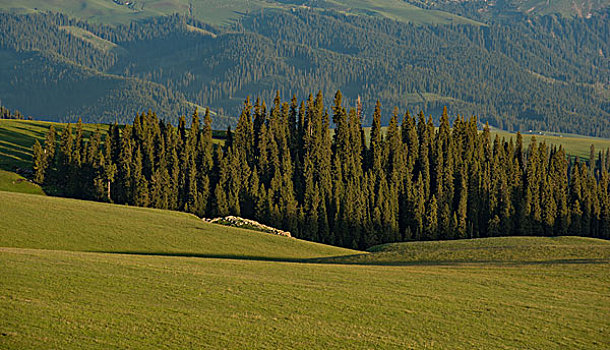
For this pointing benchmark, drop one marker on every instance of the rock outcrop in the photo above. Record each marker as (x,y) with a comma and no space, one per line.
(235,221)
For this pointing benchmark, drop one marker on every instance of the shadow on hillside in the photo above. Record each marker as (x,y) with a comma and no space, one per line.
(205,256)
(345,260)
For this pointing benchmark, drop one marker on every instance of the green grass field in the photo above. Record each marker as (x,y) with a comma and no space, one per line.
(94,40)
(68,224)
(498,250)
(169,280)
(224,12)
(12,182)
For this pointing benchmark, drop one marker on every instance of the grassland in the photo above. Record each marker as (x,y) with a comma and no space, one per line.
(68,224)
(566,8)
(219,295)
(224,12)
(15,183)
(498,250)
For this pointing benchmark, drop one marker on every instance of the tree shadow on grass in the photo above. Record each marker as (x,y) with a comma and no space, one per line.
(345,260)
(204,256)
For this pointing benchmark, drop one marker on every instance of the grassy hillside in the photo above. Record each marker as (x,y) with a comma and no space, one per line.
(510,250)
(67,224)
(483,9)
(223,12)
(211,287)
(18,137)
(12,182)
(70,300)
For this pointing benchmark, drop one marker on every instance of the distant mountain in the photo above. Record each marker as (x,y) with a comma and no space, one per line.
(534,72)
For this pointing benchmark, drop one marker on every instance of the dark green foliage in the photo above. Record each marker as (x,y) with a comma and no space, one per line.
(283,168)
(39,163)
(543,73)
(5,113)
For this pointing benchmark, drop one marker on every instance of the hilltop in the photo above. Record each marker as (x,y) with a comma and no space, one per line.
(497,250)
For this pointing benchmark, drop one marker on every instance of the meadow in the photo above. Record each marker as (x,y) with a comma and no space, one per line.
(12,182)
(77,274)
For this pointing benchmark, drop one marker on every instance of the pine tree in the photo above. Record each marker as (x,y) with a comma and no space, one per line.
(40,163)
(139,183)
(49,151)
(431,225)
(376,155)
(64,163)
(109,168)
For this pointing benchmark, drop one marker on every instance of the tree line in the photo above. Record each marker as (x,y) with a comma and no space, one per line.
(284,166)
(6,113)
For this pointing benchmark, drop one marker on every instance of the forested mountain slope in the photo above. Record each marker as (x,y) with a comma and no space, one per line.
(547,73)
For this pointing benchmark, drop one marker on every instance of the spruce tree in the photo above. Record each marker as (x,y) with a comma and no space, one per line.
(40,163)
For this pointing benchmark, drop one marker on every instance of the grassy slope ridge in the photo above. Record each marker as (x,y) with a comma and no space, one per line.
(54,298)
(16,183)
(67,224)
(575,145)
(512,250)
(223,12)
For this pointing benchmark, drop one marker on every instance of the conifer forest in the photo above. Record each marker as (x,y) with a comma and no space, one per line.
(284,165)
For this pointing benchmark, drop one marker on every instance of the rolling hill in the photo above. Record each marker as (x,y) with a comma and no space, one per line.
(19,136)
(498,250)
(12,182)
(78,274)
(65,224)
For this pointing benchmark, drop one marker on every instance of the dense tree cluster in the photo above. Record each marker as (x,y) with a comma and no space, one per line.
(6,113)
(285,166)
